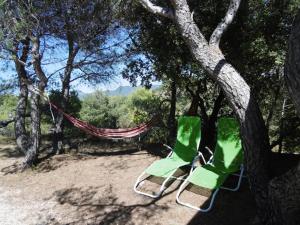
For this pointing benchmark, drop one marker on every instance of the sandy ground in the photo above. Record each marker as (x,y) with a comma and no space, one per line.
(95,186)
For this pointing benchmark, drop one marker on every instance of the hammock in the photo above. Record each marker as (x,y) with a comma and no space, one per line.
(120,133)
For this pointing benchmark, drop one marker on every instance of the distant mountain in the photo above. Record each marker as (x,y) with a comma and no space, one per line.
(81,94)
(120,91)
(126,90)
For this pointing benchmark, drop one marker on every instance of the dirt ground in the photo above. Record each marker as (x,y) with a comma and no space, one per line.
(94,185)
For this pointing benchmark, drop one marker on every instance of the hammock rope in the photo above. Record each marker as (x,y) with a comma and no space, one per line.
(107,133)
(119,133)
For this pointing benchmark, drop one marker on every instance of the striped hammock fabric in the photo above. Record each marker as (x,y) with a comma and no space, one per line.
(107,133)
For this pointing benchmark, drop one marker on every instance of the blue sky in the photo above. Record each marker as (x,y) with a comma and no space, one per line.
(8,73)
(54,58)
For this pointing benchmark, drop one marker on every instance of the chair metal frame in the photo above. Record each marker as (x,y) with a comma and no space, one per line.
(163,187)
(213,196)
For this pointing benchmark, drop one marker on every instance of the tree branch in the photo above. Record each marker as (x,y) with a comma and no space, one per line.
(36,61)
(5,123)
(217,105)
(157,10)
(224,24)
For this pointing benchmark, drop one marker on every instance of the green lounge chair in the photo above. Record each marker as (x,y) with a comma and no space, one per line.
(226,160)
(185,151)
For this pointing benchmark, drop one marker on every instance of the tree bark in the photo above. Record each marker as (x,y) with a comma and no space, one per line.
(292,65)
(253,130)
(208,126)
(22,138)
(33,151)
(59,126)
(277,200)
(57,141)
(172,113)
(35,137)
(209,129)
(284,191)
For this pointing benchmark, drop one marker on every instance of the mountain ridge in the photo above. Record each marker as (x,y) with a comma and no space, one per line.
(119,91)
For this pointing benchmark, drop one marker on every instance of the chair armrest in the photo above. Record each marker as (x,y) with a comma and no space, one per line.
(208,149)
(168,147)
(211,154)
(196,158)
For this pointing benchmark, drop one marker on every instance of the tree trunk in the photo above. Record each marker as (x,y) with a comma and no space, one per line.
(284,191)
(209,128)
(59,126)
(35,137)
(57,140)
(193,110)
(292,66)
(172,113)
(253,131)
(208,125)
(20,129)
(273,106)
(32,152)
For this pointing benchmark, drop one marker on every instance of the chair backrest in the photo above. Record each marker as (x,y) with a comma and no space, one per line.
(188,138)
(228,155)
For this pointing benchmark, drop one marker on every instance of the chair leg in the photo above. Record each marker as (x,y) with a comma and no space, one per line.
(181,189)
(238,183)
(161,190)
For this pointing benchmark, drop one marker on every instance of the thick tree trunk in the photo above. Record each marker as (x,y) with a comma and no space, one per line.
(172,113)
(284,197)
(32,152)
(284,191)
(292,66)
(20,129)
(253,131)
(35,137)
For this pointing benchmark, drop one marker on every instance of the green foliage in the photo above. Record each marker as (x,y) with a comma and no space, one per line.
(144,104)
(73,107)
(7,105)
(122,112)
(104,111)
(7,111)
(97,110)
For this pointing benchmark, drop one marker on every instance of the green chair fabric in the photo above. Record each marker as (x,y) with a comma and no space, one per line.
(185,149)
(208,176)
(227,158)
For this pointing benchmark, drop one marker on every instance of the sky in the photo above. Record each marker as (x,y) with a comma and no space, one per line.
(57,55)
(8,73)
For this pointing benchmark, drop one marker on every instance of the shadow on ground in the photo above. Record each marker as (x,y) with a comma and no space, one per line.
(52,162)
(230,208)
(89,206)
(49,162)
(10,152)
